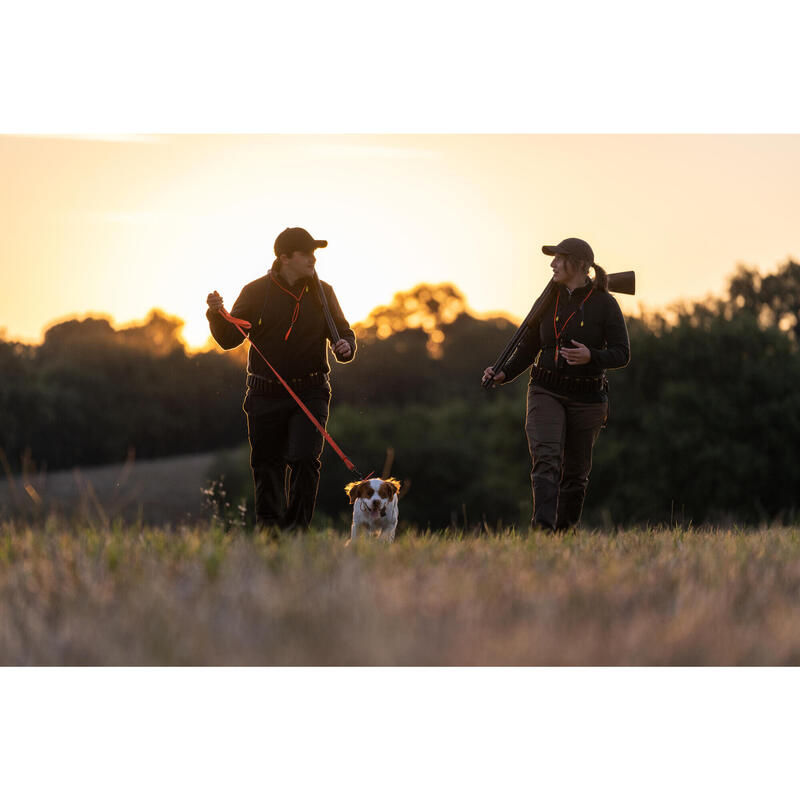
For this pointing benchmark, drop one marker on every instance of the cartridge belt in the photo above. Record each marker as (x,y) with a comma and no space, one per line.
(565,383)
(258,384)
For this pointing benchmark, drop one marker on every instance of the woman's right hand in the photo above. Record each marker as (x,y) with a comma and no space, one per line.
(497,379)
(214,301)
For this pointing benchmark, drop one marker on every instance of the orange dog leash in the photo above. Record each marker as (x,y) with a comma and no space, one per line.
(242,324)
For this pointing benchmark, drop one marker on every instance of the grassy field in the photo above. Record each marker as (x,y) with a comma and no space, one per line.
(87,593)
(164,490)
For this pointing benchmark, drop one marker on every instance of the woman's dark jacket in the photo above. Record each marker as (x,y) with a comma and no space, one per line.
(602,330)
(269,310)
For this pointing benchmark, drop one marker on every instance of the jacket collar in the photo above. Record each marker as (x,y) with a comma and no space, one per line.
(295,287)
(577,294)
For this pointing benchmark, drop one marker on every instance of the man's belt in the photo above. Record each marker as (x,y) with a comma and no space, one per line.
(261,385)
(565,383)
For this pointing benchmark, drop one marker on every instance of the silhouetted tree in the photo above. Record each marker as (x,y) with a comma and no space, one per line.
(774,299)
(425,307)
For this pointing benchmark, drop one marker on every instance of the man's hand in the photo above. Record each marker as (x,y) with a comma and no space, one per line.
(497,379)
(214,301)
(576,355)
(342,348)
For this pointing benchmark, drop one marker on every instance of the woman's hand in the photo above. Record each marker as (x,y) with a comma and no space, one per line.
(214,301)
(342,348)
(576,355)
(496,379)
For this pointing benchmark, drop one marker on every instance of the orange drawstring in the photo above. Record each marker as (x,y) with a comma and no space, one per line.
(297,299)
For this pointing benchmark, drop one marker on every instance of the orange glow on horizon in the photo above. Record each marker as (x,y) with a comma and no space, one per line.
(158,222)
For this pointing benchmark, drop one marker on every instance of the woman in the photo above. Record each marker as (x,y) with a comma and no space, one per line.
(580,335)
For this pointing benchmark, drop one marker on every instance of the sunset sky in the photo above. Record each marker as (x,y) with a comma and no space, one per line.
(120,225)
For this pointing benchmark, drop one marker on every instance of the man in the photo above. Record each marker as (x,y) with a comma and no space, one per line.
(289,327)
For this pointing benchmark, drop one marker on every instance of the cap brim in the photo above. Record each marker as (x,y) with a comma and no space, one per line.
(320,243)
(553,250)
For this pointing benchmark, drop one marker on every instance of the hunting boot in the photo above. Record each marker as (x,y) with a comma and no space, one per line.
(545,499)
(570,506)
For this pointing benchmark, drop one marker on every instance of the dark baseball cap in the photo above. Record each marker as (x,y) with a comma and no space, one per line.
(571,247)
(296,239)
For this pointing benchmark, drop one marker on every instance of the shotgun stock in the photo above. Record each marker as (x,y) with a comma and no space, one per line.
(622,282)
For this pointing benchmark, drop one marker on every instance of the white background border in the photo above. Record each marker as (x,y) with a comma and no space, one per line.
(358,67)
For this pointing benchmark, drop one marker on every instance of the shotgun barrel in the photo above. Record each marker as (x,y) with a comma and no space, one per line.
(530,319)
(334,334)
(619,282)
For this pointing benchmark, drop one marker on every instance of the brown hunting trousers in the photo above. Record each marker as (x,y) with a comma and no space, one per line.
(561,434)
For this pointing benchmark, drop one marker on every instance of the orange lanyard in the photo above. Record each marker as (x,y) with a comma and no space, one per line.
(555,319)
(297,298)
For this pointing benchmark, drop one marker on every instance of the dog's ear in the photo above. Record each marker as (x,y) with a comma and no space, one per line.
(352,490)
(394,486)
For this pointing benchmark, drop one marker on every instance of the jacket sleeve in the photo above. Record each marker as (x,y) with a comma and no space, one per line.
(617,350)
(524,354)
(225,334)
(342,325)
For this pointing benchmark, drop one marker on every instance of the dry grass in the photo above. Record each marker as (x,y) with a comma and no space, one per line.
(153,491)
(85,593)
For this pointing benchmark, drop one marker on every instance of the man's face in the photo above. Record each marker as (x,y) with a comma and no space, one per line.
(300,263)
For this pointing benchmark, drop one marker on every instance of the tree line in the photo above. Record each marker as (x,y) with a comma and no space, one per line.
(704,423)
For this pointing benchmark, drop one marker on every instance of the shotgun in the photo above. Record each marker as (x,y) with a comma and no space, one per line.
(334,334)
(622,282)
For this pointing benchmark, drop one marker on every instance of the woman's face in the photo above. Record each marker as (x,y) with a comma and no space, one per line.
(563,271)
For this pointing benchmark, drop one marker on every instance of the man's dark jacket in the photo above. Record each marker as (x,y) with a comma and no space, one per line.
(269,310)
(603,332)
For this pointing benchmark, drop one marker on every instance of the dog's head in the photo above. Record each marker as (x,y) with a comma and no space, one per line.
(374,494)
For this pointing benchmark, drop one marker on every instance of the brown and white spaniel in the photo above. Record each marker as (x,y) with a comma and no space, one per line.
(374,508)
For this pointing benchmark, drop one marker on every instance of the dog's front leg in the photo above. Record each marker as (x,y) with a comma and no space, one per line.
(360,528)
(387,531)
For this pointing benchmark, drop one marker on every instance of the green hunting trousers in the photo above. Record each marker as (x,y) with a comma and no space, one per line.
(561,434)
